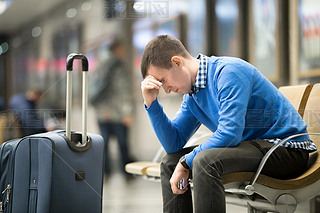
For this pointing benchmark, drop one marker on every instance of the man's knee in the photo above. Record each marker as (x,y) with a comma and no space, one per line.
(169,161)
(206,162)
(173,158)
(200,161)
(168,158)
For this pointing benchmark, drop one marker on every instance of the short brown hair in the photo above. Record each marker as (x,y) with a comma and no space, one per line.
(159,52)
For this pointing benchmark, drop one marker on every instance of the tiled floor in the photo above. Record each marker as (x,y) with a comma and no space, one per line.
(143,196)
(135,196)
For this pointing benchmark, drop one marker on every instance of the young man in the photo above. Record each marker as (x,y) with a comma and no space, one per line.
(244,111)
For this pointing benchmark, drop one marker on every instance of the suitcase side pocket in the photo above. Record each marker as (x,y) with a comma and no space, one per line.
(6,164)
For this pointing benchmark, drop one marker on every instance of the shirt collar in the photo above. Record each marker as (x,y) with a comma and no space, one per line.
(201,78)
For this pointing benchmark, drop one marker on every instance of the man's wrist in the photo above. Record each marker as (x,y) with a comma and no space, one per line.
(148,103)
(183,162)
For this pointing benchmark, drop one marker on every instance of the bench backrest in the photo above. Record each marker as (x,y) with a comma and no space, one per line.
(297,95)
(312,112)
(9,127)
(312,118)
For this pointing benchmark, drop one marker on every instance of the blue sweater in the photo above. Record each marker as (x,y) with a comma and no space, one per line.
(237,104)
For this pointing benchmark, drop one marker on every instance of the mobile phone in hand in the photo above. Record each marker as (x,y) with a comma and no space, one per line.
(182,184)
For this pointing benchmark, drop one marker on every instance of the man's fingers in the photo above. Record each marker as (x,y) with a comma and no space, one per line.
(174,187)
(151,84)
(176,190)
(150,78)
(179,174)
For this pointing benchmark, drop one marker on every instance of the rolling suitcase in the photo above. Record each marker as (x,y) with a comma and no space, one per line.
(59,171)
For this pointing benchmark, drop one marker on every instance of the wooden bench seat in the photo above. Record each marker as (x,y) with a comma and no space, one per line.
(153,171)
(139,168)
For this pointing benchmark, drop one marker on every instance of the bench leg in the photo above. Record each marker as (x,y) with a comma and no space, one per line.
(315,204)
(253,210)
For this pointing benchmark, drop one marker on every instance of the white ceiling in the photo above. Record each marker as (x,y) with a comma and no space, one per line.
(24,11)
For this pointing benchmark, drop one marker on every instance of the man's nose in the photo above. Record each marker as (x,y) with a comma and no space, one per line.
(166,89)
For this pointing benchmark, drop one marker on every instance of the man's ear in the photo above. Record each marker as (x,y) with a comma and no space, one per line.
(177,60)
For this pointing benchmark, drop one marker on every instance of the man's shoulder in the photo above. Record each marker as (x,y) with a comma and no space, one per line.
(227,65)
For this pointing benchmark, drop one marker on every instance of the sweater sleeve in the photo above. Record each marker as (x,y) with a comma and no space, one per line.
(173,135)
(233,93)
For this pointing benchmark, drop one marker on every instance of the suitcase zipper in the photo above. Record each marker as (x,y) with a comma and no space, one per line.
(8,189)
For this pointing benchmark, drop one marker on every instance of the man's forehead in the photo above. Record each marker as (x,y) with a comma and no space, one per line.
(154,71)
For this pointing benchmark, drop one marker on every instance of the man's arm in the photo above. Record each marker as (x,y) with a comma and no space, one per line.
(174,134)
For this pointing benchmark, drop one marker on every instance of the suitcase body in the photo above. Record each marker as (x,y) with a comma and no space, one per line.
(59,171)
(77,176)
(41,173)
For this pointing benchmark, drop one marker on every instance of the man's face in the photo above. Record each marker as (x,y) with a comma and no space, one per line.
(121,52)
(176,79)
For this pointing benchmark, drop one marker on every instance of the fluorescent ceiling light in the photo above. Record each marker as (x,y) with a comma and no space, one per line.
(4,5)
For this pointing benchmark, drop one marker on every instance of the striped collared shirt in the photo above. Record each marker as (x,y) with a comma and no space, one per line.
(201,79)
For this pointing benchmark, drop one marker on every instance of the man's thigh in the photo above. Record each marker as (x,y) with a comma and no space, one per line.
(246,157)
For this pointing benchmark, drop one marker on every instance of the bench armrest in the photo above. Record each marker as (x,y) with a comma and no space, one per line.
(250,188)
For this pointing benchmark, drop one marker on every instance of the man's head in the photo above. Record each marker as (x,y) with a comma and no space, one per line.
(118,49)
(34,95)
(159,52)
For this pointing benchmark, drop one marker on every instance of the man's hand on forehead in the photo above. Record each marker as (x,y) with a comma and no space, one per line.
(150,87)
(150,82)
(152,77)
(154,80)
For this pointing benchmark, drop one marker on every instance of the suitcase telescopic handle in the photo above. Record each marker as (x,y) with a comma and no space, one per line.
(85,66)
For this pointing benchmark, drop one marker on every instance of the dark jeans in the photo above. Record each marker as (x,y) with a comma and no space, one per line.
(209,165)
(119,130)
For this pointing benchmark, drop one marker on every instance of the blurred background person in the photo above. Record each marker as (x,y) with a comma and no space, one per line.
(1,104)
(111,96)
(24,107)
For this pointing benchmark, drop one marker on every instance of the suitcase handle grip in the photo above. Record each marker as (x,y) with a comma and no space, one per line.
(85,67)
(84,61)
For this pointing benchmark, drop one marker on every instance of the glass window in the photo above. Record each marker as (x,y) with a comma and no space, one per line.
(227,12)
(309,37)
(196,27)
(264,19)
